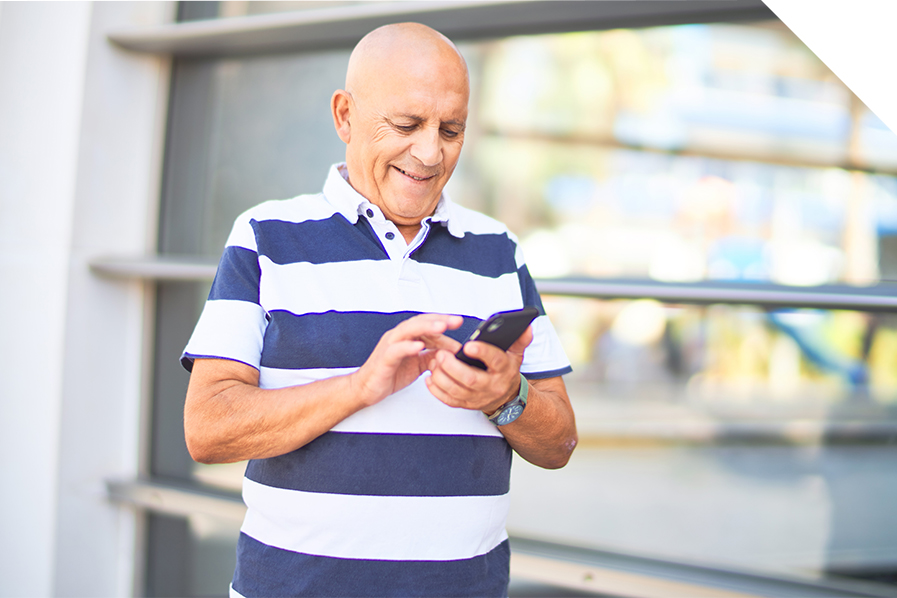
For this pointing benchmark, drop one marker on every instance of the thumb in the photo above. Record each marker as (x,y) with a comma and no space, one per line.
(523,342)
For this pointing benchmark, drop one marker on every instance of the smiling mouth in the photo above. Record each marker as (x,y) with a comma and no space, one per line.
(411,176)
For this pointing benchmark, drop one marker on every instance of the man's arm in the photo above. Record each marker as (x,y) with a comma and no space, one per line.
(544,434)
(227,417)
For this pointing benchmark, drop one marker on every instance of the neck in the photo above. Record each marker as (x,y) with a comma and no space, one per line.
(409,231)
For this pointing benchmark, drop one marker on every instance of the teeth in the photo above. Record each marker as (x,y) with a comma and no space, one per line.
(412,176)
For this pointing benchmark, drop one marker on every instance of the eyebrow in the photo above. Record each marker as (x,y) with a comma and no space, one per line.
(455,123)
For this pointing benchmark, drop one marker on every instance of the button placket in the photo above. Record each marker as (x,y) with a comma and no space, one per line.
(419,239)
(379,225)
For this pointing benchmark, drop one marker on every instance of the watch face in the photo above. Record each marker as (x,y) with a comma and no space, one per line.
(510,414)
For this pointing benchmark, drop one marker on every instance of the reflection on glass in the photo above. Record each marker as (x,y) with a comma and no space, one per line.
(680,154)
(721,435)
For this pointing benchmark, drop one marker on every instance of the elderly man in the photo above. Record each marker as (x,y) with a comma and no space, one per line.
(325,355)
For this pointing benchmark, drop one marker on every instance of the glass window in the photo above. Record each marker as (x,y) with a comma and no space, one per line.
(723,435)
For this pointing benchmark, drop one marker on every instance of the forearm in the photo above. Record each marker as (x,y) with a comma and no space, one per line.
(545,433)
(227,418)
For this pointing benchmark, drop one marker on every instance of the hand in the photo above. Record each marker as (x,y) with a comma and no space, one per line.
(459,385)
(402,355)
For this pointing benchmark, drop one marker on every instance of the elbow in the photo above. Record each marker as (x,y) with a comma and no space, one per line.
(566,451)
(200,450)
(201,456)
(562,455)
(202,446)
(208,444)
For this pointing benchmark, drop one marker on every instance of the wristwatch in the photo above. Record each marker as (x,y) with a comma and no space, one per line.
(513,408)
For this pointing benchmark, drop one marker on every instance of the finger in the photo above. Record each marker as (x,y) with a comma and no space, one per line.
(439,393)
(492,356)
(454,377)
(428,359)
(396,352)
(522,342)
(459,392)
(465,375)
(437,386)
(441,341)
(426,325)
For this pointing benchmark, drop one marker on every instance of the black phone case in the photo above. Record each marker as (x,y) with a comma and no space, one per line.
(500,329)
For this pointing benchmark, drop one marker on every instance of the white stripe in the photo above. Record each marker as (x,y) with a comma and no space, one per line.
(298,209)
(467,220)
(242,235)
(412,410)
(384,286)
(234,593)
(392,528)
(301,208)
(231,330)
(545,353)
(446,290)
(282,378)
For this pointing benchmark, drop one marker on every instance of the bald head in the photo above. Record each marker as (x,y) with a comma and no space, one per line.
(401,48)
(402,117)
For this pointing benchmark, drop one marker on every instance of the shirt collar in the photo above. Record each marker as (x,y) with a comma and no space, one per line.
(350,203)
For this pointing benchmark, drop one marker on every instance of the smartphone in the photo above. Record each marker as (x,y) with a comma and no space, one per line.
(500,329)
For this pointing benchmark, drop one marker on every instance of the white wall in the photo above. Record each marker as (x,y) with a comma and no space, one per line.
(81,126)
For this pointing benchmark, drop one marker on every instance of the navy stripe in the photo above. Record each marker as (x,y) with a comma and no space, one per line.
(263,570)
(238,276)
(547,374)
(528,289)
(391,465)
(485,255)
(365,227)
(316,241)
(333,339)
(187,360)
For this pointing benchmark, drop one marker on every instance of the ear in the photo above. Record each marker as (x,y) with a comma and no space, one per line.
(339,107)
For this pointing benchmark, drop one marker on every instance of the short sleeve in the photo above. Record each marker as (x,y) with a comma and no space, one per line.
(232,324)
(545,356)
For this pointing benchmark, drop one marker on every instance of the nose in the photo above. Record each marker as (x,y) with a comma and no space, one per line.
(427,146)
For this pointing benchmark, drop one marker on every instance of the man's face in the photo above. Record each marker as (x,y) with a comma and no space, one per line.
(406,133)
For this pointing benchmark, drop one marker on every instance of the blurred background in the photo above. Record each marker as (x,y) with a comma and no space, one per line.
(720,206)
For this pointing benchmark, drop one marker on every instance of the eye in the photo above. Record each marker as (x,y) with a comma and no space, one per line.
(449,134)
(406,128)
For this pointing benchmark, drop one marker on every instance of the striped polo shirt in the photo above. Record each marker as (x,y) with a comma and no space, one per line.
(407,497)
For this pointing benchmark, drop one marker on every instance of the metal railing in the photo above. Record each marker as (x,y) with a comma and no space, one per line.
(561,565)
(874,298)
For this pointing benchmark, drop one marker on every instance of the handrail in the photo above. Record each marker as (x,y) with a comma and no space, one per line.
(734,154)
(564,565)
(880,297)
(177,498)
(617,574)
(156,267)
(343,26)
(874,298)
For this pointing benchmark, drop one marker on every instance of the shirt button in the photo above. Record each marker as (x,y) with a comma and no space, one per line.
(390,236)
(370,213)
